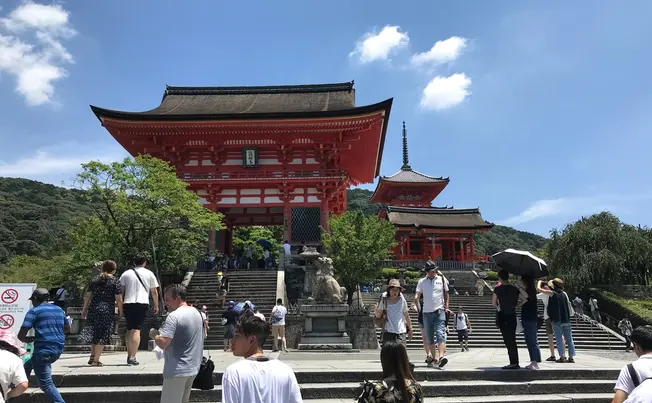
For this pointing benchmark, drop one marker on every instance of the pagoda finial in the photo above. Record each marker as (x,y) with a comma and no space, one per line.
(406,160)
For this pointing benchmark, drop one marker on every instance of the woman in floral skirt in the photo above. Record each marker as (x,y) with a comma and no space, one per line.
(103,294)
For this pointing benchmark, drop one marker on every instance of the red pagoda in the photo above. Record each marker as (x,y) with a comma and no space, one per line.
(269,155)
(425,232)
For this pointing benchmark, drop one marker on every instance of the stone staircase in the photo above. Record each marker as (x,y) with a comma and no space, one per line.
(257,286)
(586,335)
(321,386)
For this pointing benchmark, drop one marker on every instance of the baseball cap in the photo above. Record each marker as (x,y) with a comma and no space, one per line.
(40,294)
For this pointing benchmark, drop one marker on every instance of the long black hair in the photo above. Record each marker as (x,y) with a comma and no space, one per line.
(395,362)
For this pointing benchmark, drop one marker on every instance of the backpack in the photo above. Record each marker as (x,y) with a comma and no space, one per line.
(277,317)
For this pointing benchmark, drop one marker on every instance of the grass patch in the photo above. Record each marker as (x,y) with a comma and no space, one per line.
(642,308)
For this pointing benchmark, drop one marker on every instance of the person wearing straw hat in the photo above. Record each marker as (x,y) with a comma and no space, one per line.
(434,288)
(394,308)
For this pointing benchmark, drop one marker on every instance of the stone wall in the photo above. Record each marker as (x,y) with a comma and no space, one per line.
(629,291)
(362,332)
(360,329)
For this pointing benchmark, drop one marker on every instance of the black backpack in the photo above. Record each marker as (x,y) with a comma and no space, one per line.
(204,379)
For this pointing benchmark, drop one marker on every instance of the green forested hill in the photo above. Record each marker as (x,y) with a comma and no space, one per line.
(34,216)
(499,238)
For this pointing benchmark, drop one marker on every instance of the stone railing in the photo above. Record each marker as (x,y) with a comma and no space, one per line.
(420,264)
(628,291)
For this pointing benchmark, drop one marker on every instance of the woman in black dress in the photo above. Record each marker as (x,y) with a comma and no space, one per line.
(103,294)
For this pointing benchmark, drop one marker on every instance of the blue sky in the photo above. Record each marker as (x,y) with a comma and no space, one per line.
(538,111)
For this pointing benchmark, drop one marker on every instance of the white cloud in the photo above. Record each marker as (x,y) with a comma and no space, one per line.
(31,49)
(442,52)
(576,207)
(58,160)
(379,46)
(445,92)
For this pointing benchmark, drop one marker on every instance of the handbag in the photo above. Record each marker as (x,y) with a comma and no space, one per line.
(382,321)
(204,378)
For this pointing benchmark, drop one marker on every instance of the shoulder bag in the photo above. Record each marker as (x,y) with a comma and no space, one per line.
(380,322)
(140,280)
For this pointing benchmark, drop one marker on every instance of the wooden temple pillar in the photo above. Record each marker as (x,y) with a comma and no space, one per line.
(461,249)
(287,222)
(472,246)
(212,238)
(323,211)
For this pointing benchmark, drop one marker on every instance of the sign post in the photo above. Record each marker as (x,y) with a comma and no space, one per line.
(14,304)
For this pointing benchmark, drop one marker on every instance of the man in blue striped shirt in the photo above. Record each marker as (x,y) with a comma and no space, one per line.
(50,325)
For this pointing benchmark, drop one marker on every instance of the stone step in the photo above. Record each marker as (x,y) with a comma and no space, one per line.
(341,390)
(555,398)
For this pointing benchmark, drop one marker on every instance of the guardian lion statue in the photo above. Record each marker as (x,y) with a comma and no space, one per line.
(327,290)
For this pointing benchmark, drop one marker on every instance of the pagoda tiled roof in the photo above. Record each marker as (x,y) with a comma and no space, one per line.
(197,102)
(410,176)
(436,217)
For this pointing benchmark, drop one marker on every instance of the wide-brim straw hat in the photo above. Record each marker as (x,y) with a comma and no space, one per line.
(395,283)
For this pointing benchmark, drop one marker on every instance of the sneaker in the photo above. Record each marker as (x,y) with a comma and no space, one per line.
(571,360)
(533,366)
(467,349)
(442,362)
(132,361)
(463,349)
(562,359)
(551,358)
(429,359)
(512,366)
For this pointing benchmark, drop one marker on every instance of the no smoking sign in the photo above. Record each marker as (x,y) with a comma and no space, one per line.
(6,321)
(9,296)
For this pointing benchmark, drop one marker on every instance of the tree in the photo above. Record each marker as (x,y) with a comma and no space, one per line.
(356,243)
(138,205)
(48,272)
(243,236)
(598,250)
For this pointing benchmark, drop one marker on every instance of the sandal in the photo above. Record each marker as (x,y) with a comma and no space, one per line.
(90,360)
(97,364)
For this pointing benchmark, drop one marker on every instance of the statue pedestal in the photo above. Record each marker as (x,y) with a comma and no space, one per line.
(325,327)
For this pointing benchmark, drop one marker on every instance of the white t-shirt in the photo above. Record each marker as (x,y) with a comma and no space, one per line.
(460,319)
(545,298)
(278,315)
(433,292)
(593,304)
(11,371)
(642,394)
(253,381)
(643,367)
(287,248)
(260,315)
(266,254)
(395,314)
(134,292)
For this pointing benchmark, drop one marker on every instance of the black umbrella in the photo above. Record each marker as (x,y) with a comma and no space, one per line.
(265,244)
(521,263)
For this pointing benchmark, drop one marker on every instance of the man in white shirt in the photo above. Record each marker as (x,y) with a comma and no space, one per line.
(434,289)
(204,317)
(137,284)
(277,319)
(633,375)
(257,378)
(287,248)
(595,311)
(181,340)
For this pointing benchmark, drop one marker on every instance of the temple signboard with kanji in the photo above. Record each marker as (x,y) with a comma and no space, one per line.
(424,232)
(270,155)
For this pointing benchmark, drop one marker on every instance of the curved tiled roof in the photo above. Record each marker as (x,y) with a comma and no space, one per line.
(410,176)
(436,217)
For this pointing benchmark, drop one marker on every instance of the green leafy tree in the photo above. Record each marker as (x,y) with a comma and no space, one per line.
(50,272)
(139,204)
(356,243)
(243,236)
(598,250)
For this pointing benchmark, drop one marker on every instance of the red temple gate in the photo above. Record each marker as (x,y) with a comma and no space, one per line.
(274,155)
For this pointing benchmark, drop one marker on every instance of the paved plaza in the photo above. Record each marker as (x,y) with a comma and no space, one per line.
(366,360)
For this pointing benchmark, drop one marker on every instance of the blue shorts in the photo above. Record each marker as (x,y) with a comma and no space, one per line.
(434,326)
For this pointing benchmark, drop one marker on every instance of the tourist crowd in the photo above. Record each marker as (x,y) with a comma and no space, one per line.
(258,378)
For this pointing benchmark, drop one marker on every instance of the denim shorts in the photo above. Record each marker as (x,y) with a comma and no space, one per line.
(434,326)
